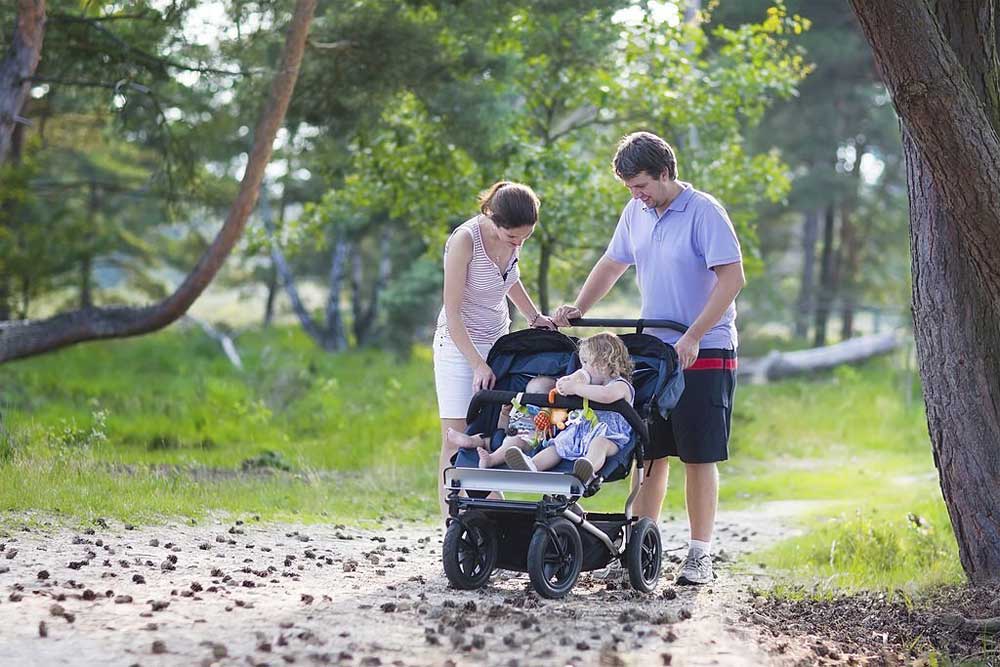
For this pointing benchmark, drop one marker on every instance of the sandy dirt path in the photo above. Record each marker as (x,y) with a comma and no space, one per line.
(244,593)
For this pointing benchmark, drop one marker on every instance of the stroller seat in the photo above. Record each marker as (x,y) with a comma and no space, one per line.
(523,355)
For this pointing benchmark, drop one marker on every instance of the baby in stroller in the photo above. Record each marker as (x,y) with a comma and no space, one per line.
(516,426)
(591,437)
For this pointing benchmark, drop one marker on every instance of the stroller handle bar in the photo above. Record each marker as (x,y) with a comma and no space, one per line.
(621,406)
(639,324)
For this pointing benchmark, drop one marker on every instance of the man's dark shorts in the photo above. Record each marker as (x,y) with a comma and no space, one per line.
(698,428)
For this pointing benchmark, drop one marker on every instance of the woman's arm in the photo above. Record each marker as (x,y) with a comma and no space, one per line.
(519,296)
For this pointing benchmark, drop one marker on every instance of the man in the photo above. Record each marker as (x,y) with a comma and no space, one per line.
(689,269)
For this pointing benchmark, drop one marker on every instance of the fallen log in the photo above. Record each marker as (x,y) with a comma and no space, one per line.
(778,365)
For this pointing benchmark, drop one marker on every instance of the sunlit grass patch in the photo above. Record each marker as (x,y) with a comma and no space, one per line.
(905,546)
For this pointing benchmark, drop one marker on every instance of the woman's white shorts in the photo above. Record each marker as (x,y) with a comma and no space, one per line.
(453,378)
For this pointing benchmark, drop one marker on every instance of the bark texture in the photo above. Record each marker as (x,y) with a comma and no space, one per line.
(26,338)
(18,66)
(940,64)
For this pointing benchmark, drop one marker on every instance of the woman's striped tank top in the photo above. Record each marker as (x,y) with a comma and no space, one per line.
(484,301)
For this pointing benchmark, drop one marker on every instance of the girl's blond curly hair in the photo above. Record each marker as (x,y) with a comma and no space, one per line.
(607,351)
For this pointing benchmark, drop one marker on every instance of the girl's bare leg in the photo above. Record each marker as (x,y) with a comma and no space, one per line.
(595,458)
(546,459)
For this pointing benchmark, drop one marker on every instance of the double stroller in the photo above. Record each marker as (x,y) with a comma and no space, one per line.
(552,537)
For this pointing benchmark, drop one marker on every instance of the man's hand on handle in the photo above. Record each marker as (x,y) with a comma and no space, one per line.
(564,314)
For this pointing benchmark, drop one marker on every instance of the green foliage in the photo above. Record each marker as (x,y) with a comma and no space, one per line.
(406,302)
(840,140)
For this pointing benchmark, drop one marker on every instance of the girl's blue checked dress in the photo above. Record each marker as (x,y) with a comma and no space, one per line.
(572,443)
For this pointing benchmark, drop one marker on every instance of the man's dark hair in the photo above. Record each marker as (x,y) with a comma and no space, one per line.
(644,151)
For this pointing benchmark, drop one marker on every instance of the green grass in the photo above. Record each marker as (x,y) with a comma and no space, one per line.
(881,547)
(76,418)
(161,426)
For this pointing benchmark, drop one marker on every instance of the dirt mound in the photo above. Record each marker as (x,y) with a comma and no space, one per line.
(884,629)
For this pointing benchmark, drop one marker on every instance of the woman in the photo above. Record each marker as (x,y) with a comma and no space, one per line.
(480,274)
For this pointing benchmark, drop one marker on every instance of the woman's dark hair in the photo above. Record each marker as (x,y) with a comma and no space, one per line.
(509,205)
(644,151)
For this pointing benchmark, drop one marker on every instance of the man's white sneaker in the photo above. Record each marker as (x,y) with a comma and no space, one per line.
(695,570)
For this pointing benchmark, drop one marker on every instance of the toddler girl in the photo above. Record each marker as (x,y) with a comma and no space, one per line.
(604,378)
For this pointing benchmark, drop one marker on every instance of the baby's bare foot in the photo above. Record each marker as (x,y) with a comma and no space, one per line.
(460,439)
(484,457)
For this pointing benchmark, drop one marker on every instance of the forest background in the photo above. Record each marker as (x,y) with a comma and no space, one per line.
(139,126)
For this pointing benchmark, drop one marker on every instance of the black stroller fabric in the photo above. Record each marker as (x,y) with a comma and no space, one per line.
(520,356)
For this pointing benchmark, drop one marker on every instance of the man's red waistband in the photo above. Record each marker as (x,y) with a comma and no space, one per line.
(710,364)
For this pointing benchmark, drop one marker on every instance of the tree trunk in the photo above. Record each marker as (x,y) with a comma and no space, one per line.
(272,292)
(807,288)
(25,297)
(850,254)
(827,278)
(18,66)
(272,276)
(381,278)
(334,319)
(86,292)
(5,296)
(366,309)
(24,339)
(87,261)
(9,207)
(544,262)
(948,99)
(288,282)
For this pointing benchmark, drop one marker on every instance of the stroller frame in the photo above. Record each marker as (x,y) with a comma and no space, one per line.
(488,533)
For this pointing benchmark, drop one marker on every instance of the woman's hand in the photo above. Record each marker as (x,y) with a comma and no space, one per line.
(543,322)
(483,377)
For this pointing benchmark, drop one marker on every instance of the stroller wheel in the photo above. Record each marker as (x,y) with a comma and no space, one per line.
(470,550)
(643,555)
(555,557)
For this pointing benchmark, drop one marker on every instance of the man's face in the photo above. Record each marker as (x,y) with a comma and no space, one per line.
(651,191)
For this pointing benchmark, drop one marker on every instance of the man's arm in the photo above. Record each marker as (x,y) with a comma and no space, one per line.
(731,281)
(602,278)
